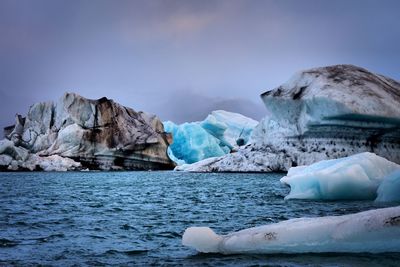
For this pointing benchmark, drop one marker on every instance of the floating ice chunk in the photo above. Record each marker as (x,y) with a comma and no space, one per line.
(202,238)
(373,231)
(233,129)
(217,135)
(389,190)
(193,167)
(354,177)
(191,143)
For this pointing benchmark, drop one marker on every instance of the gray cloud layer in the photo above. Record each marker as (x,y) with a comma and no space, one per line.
(180,59)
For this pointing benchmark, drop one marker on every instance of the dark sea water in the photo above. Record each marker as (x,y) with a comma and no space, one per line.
(138,218)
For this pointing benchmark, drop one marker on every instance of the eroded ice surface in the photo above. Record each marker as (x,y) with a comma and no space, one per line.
(389,189)
(233,129)
(100,134)
(191,143)
(217,135)
(354,177)
(319,114)
(373,231)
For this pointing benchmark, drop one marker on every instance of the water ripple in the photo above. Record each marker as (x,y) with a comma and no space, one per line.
(137,218)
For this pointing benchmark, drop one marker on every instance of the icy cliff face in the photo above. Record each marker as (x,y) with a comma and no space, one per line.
(373,231)
(99,134)
(354,177)
(219,134)
(321,113)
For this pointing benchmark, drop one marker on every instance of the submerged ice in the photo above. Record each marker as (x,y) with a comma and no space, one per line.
(217,135)
(354,177)
(373,231)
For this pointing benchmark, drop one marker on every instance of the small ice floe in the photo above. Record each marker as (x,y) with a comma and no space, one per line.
(373,231)
(354,177)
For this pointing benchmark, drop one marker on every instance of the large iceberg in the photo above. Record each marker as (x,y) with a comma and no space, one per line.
(354,177)
(79,133)
(373,231)
(219,134)
(319,114)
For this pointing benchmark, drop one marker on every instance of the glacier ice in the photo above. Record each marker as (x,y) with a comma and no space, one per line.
(353,177)
(319,114)
(389,189)
(233,129)
(8,148)
(192,143)
(373,231)
(220,133)
(101,134)
(171,155)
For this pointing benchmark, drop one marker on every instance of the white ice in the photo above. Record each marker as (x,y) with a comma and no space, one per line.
(373,231)
(229,127)
(353,177)
(321,113)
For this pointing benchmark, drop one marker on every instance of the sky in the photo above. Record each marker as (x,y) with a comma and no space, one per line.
(182,59)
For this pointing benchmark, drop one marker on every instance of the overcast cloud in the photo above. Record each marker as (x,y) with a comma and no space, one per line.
(181,59)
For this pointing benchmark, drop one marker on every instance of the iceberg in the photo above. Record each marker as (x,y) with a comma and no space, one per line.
(320,114)
(233,129)
(389,189)
(192,143)
(354,177)
(374,231)
(219,134)
(98,134)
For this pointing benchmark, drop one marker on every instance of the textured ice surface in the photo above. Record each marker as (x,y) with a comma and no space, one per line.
(389,189)
(231,128)
(373,231)
(13,158)
(173,158)
(191,143)
(101,134)
(8,148)
(217,135)
(354,177)
(319,114)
